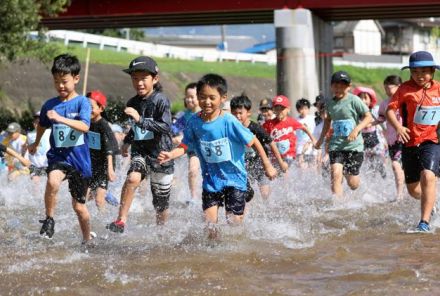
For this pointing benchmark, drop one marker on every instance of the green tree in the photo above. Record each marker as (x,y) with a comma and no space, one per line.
(19,17)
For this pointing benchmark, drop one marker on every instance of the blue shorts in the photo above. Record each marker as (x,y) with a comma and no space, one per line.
(426,156)
(234,200)
(350,160)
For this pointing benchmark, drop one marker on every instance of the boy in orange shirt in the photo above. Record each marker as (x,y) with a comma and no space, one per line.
(418,101)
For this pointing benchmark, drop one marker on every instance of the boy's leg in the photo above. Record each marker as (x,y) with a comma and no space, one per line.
(235,202)
(211,218)
(352,165)
(336,179)
(161,191)
(353,181)
(83,218)
(54,180)
(128,190)
(100,198)
(399,178)
(265,191)
(428,183)
(193,174)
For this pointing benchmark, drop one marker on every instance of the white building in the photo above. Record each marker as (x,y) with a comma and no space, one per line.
(358,37)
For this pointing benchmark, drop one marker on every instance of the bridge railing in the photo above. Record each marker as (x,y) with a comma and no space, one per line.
(155,50)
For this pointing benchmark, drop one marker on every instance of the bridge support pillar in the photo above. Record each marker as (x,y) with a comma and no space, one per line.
(297,74)
(323,34)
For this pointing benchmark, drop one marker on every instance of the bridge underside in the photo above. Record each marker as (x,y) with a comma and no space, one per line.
(94,19)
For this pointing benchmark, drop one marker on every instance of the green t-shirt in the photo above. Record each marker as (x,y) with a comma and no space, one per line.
(346,115)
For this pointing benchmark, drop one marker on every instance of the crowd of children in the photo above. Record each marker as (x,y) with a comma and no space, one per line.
(228,150)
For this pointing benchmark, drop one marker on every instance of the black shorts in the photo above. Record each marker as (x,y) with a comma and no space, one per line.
(234,200)
(426,156)
(350,160)
(77,183)
(99,179)
(35,171)
(395,152)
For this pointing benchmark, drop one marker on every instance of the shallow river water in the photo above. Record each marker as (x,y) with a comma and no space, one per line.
(300,242)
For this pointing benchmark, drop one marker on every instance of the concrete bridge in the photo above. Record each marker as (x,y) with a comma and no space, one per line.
(303,31)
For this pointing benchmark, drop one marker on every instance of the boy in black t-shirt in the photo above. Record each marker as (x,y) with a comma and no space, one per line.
(240,108)
(103,147)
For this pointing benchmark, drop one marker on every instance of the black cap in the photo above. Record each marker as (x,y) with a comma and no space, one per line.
(341,76)
(145,64)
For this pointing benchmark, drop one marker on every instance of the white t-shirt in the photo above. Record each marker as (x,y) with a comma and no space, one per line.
(301,137)
(39,159)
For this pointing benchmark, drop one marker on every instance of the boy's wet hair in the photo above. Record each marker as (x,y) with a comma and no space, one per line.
(214,81)
(191,86)
(66,64)
(392,80)
(241,101)
(302,103)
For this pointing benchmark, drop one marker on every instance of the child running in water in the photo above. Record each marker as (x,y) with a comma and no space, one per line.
(192,106)
(241,109)
(68,115)
(219,140)
(282,129)
(304,151)
(150,133)
(103,148)
(348,116)
(15,154)
(418,101)
(395,145)
(374,148)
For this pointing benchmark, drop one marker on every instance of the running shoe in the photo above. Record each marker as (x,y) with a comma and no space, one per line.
(110,199)
(423,226)
(48,227)
(117,226)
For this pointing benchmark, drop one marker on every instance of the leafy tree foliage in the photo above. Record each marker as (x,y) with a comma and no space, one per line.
(19,17)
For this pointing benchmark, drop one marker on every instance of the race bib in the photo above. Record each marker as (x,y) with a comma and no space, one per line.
(65,136)
(216,151)
(94,140)
(427,115)
(141,134)
(283,146)
(342,127)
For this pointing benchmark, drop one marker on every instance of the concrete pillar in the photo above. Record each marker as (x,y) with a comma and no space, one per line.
(296,65)
(323,34)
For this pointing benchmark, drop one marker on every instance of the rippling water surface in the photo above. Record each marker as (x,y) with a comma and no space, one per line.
(300,242)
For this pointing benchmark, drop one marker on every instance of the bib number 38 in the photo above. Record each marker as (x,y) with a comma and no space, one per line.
(216,151)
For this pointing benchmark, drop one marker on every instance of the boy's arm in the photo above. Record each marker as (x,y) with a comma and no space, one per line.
(78,125)
(32,148)
(306,130)
(325,129)
(270,171)
(18,156)
(401,130)
(368,119)
(110,170)
(273,147)
(165,156)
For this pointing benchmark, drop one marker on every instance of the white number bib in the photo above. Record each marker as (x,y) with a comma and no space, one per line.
(65,136)
(142,134)
(342,127)
(216,151)
(94,140)
(427,115)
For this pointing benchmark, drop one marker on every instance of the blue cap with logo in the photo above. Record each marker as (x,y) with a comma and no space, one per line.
(421,59)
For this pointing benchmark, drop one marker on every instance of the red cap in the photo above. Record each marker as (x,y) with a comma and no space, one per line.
(281,101)
(360,89)
(98,97)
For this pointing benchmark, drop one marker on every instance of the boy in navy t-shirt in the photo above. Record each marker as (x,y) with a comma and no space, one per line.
(219,140)
(68,114)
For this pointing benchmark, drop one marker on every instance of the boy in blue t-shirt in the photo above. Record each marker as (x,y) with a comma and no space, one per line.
(219,140)
(68,115)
